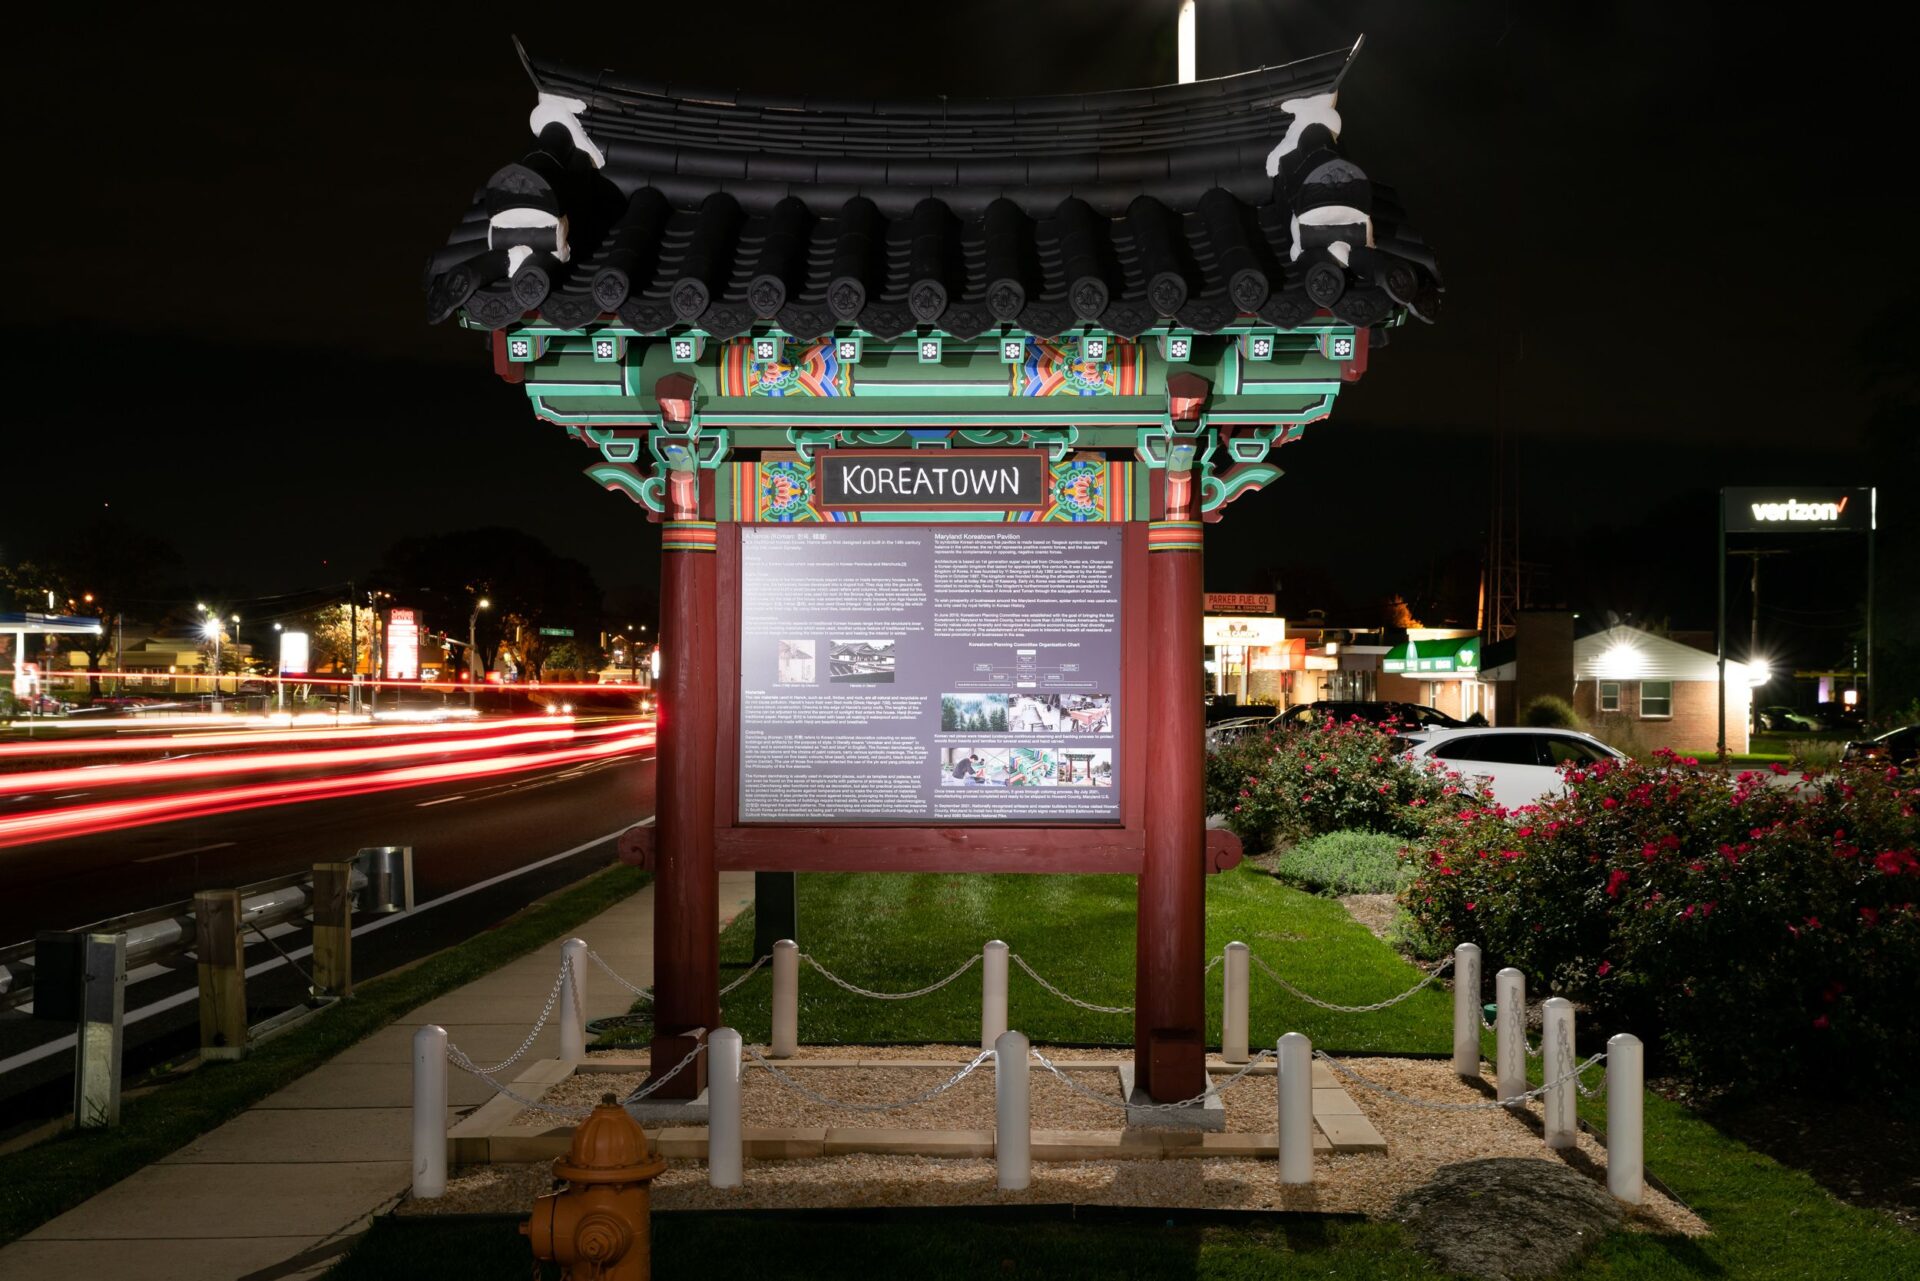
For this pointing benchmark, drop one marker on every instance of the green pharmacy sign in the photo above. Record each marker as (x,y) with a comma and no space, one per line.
(1416,658)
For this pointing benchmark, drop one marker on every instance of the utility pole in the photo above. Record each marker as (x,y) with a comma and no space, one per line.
(1753,632)
(473,648)
(353,650)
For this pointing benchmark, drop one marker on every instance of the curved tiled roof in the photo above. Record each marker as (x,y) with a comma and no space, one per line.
(1189,205)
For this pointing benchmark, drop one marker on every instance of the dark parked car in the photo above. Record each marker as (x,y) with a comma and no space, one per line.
(1840,715)
(1895,747)
(1399,715)
(1224,708)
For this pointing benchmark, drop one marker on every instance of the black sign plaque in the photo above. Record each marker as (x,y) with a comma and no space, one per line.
(944,481)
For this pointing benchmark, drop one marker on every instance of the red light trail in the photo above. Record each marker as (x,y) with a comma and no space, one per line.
(253,738)
(98,776)
(109,816)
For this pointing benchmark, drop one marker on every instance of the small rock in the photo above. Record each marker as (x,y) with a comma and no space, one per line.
(1507,1217)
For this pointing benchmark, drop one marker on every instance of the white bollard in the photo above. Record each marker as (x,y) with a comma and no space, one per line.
(723,1108)
(993,992)
(786,999)
(1233,1003)
(1012,1111)
(1510,1033)
(1561,1122)
(1626,1150)
(430,1111)
(1466,1009)
(573,1001)
(1295,1090)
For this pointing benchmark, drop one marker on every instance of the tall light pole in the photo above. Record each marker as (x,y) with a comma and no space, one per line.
(473,647)
(212,628)
(1189,53)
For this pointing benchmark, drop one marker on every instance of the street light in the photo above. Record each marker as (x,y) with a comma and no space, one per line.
(211,628)
(473,648)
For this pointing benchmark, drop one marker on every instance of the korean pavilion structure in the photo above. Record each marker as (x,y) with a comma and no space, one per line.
(1158,287)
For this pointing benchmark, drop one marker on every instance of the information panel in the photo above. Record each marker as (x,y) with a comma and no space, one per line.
(937,674)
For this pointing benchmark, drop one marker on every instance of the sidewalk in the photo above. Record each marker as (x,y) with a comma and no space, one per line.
(279,1191)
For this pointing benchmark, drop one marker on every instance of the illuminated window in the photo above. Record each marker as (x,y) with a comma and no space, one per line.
(1656,699)
(1609,696)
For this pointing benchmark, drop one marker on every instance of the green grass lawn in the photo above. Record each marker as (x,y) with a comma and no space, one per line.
(897,933)
(894,933)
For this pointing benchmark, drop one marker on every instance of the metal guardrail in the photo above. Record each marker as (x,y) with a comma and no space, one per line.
(382,883)
(162,933)
(80,976)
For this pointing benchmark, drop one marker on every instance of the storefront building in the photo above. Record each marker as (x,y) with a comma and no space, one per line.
(1438,668)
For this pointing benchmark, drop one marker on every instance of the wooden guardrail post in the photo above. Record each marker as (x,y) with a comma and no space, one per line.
(333,929)
(223,974)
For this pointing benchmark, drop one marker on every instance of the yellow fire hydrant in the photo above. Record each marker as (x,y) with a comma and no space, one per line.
(599,1226)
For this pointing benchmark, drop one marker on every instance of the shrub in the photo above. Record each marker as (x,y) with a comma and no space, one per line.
(1622,733)
(1349,862)
(1550,712)
(1330,777)
(1816,753)
(1757,932)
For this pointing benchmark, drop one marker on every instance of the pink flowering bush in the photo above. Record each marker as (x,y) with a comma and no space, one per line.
(1755,931)
(1332,777)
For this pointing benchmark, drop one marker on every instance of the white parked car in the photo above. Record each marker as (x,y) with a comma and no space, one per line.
(1518,766)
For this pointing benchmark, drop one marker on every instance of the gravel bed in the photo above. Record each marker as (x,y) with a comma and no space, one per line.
(1418,1143)
(954,1054)
(967,1106)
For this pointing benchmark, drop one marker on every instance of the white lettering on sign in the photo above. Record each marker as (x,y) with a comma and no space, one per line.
(933,482)
(1793,509)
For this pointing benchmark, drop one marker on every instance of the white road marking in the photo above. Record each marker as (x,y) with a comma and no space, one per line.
(442,800)
(197,849)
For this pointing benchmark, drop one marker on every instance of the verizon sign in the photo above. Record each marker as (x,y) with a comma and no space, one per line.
(1797,510)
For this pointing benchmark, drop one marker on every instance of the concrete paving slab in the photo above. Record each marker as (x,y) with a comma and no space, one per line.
(477,1005)
(1334,1102)
(486,1043)
(1353,1133)
(306,1135)
(153,1259)
(886,1142)
(481,1007)
(214,1202)
(370,1085)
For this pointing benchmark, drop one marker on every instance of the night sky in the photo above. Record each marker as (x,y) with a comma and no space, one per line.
(1669,249)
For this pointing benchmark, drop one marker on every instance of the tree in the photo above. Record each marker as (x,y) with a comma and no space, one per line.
(97,569)
(528,584)
(328,635)
(573,658)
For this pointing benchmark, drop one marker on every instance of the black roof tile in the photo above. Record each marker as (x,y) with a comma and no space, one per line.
(1120,210)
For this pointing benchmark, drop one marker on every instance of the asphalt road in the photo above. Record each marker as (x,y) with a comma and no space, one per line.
(462,833)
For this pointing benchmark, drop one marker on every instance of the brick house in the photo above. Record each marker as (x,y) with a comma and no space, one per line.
(1640,691)
(1636,690)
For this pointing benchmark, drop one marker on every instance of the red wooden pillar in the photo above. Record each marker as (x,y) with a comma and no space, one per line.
(686,940)
(1169,1021)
